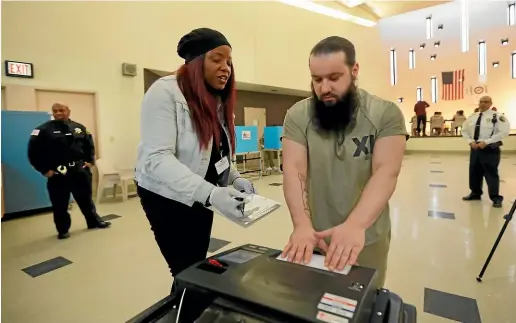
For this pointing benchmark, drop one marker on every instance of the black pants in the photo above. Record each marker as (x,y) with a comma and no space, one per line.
(182,232)
(421,120)
(484,163)
(77,181)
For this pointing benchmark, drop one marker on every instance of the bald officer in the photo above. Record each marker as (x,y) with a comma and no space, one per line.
(62,150)
(342,153)
(485,131)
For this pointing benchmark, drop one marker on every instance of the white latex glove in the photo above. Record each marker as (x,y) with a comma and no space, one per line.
(242,184)
(224,199)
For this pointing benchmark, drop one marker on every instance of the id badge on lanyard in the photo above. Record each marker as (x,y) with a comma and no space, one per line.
(223,163)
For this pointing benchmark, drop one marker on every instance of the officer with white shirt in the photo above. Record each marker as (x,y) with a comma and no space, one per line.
(485,131)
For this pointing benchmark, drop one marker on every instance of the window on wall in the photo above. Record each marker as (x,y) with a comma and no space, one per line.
(464,26)
(429,28)
(482,58)
(433,86)
(392,57)
(412,59)
(513,65)
(511,14)
(419,93)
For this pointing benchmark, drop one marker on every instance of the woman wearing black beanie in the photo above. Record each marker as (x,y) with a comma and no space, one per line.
(184,156)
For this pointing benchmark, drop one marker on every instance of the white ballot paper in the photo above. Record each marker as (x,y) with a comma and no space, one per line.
(256,207)
(317,262)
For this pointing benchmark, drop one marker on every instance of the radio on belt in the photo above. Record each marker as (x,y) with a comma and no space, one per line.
(249,285)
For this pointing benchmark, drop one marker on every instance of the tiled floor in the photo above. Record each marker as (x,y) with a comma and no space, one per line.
(439,245)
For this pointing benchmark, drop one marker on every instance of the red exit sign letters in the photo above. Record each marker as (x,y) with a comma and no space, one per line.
(19,69)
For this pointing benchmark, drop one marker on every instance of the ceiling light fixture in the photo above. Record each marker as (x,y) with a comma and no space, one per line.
(433,57)
(504,41)
(437,44)
(422,46)
(327,11)
(440,27)
(400,99)
(352,3)
(496,64)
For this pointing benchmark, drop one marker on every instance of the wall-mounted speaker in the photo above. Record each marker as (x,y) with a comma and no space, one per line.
(129,69)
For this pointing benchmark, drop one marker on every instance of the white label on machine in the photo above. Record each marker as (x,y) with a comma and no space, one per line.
(330,318)
(339,302)
(335,310)
(246,135)
(317,261)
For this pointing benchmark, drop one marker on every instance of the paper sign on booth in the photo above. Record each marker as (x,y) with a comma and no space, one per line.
(246,135)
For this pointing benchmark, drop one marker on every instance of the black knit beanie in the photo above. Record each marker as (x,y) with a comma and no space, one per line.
(198,42)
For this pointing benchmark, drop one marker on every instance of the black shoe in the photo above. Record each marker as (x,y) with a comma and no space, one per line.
(497,204)
(100,225)
(62,236)
(471,197)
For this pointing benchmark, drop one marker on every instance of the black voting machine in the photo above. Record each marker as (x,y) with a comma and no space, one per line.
(248,284)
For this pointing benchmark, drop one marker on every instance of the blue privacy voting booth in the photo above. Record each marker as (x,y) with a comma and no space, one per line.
(272,136)
(24,188)
(246,139)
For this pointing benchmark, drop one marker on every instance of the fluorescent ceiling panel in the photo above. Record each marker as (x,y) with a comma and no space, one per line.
(323,10)
(352,3)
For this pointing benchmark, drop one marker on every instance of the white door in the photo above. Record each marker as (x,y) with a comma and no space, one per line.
(4,105)
(255,117)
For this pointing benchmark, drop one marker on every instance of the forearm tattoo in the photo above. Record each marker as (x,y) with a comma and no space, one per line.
(304,192)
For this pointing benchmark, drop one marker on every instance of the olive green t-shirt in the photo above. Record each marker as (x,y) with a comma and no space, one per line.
(340,165)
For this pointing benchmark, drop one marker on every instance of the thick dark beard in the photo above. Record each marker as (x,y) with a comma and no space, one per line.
(337,116)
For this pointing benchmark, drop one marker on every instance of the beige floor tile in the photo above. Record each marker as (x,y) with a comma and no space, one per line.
(116,273)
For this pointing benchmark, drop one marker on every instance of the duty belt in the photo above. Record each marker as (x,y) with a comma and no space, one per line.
(63,169)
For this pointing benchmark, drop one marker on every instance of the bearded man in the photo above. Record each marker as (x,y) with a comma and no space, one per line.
(342,154)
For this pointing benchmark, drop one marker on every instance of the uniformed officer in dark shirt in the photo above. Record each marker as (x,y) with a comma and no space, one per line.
(420,110)
(485,130)
(63,151)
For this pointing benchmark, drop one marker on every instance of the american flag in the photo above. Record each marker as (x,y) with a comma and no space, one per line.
(453,85)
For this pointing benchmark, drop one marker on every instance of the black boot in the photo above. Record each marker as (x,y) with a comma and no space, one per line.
(471,197)
(62,236)
(100,225)
(497,203)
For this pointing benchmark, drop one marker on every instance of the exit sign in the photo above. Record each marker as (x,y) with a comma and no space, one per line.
(19,69)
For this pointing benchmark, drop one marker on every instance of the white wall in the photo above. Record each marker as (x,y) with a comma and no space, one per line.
(487,21)
(81,46)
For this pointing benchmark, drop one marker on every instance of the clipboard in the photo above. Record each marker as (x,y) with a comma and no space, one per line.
(256,207)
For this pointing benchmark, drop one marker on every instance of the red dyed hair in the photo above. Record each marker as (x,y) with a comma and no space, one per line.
(203,104)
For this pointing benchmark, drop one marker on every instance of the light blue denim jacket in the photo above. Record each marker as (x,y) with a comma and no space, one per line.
(170,161)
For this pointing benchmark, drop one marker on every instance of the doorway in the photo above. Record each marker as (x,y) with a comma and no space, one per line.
(4,105)
(255,117)
(150,76)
